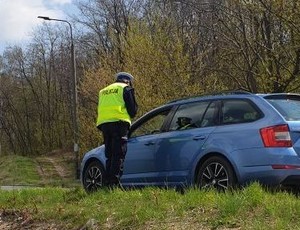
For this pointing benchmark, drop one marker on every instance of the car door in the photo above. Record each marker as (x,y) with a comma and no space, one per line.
(139,165)
(178,148)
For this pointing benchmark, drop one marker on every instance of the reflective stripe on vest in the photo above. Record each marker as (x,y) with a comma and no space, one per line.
(111,105)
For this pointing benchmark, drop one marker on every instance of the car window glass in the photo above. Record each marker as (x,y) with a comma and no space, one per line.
(238,111)
(209,117)
(151,126)
(188,116)
(288,108)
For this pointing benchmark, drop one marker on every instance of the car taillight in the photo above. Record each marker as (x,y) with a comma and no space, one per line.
(276,136)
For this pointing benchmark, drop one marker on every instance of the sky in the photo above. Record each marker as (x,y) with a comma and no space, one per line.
(19,17)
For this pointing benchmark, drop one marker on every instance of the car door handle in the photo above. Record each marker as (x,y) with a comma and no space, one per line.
(150,143)
(196,138)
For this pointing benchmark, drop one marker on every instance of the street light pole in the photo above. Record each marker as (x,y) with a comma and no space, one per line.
(75,97)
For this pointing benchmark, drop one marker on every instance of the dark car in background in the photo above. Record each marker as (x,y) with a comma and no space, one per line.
(218,141)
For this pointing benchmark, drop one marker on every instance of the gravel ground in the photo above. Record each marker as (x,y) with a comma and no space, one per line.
(17,220)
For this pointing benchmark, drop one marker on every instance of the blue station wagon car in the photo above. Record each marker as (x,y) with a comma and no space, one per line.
(215,141)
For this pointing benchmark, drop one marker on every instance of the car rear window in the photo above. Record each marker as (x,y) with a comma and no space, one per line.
(287,106)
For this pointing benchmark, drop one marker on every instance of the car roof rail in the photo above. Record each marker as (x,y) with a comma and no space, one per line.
(229,92)
(225,92)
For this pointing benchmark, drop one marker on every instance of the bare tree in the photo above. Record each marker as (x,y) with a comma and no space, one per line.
(106,24)
(259,50)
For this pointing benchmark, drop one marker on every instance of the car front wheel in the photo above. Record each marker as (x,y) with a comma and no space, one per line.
(217,173)
(93,177)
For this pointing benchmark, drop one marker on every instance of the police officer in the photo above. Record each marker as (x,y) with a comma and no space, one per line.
(116,107)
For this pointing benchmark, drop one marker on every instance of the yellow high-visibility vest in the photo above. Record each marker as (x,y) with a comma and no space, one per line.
(111,105)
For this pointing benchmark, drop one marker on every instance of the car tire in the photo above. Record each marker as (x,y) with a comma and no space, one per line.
(93,177)
(216,173)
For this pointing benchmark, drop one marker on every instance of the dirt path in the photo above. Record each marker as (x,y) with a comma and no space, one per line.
(54,166)
(61,171)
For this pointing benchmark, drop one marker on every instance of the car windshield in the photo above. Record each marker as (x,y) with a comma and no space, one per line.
(289,108)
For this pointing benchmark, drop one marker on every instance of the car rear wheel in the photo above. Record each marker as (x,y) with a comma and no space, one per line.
(217,173)
(93,177)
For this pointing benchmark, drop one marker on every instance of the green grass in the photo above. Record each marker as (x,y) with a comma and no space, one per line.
(64,203)
(18,170)
(151,208)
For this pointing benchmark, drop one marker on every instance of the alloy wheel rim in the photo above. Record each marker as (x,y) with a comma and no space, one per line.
(215,176)
(93,179)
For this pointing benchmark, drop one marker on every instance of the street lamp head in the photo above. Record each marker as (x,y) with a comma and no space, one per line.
(55,19)
(45,18)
